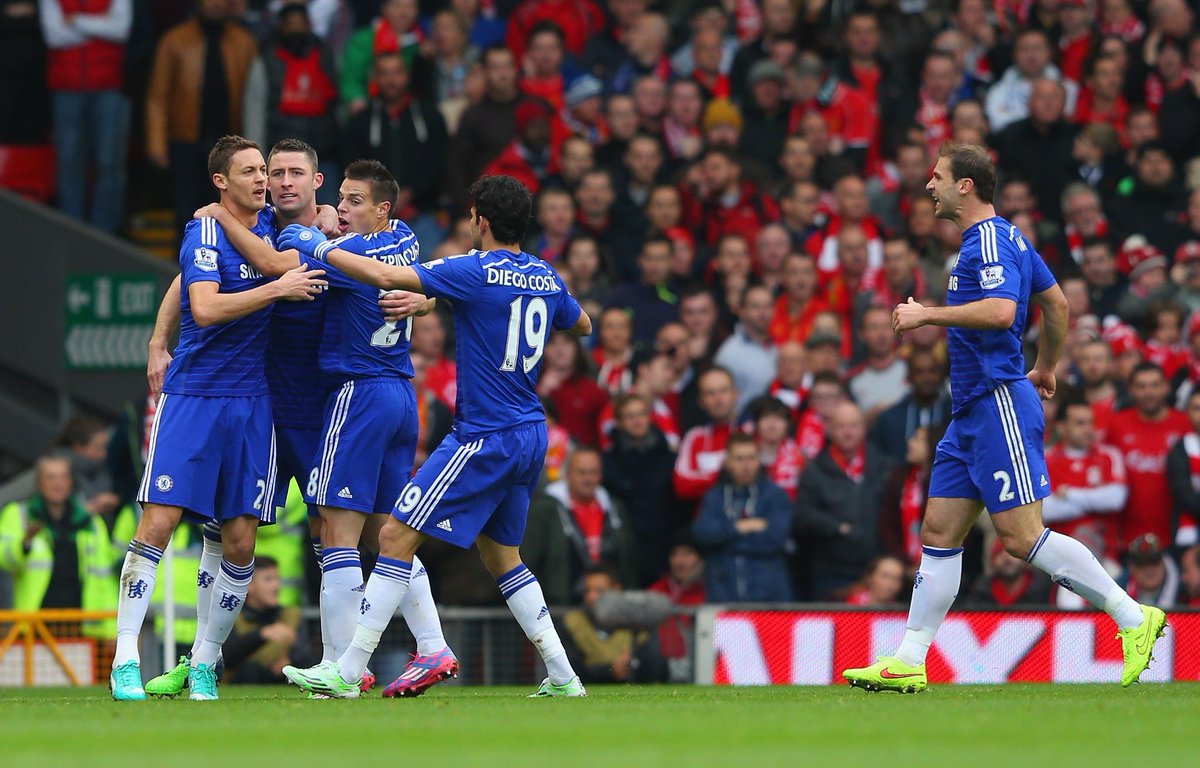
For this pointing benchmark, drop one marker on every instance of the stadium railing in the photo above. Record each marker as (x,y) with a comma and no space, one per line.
(811,644)
(50,647)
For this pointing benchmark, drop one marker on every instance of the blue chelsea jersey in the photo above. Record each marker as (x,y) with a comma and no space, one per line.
(996,261)
(505,307)
(224,360)
(357,341)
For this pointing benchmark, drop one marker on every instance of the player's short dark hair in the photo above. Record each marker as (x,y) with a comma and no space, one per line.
(221,155)
(505,203)
(970,162)
(739,438)
(294,145)
(384,188)
(1145,366)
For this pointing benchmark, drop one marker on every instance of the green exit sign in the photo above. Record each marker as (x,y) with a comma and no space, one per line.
(109,320)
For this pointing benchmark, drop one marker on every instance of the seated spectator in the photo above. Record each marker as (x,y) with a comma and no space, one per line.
(1011,581)
(58,552)
(729,274)
(396,30)
(743,527)
(638,466)
(406,132)
(545,71)
(825,394)
(838,505)
(1089,481)
(721,125)
(614,351)
(582,113)
(907,492)
(1189,575)
(567,380)
(726,203)
(555,218)
(84,443)
(700,315)
(882,379)
(574,523)
(792,378)
(853,213)
(798,305)
(1183,477)
(927,404)
(881,583)
(576,158)
(1151,576)
(292,92)
(653,378)
(1105,284)
(772,246)
(528,158)
(608,656)
(264,637)
(1152,201)
(702,452)
(1147,269)
(650,299)
(1164,347)
(684,584)
(582,269)
(1008,99)
(749,352)
(594,199)
(781,458)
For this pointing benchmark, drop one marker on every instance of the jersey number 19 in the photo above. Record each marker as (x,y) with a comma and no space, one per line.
(535,333)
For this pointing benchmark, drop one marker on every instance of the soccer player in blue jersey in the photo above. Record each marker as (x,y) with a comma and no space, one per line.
(993,451)
(362,453)
(211,449)
(476,486)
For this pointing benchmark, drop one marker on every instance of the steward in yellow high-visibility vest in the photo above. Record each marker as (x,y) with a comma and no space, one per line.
(285,542)
(60,555)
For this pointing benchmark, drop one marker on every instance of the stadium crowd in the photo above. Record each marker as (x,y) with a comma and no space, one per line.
(735,191)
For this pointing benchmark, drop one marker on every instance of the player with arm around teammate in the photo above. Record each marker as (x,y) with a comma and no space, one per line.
(993,451)
(211,447)
(476,487)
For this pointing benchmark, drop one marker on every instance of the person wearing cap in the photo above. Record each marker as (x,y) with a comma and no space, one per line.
(721,124)
(766,114)
(1152,201)
(528,158)
(583,113)
(1151,576)
(1146,268)
(778,23)
(1186,275)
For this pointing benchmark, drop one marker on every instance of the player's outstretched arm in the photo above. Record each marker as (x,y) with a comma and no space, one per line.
(165,325)
(311,242)
(254,249)
(211,307)
(1053,335)
(992,314)
(583,326)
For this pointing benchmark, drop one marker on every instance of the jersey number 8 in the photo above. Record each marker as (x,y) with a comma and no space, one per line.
(535,333)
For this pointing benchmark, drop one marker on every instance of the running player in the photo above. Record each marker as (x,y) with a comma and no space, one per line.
(212,447)
(476,487)
(993,450)
(340,465)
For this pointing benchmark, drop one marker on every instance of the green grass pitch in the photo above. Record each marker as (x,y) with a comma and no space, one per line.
(616,727)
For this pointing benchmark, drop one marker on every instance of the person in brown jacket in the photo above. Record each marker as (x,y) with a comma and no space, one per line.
(195,97)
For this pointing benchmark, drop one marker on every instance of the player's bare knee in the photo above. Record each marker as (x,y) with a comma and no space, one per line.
(498,559)
(238,537)
(341,527)
(157,524)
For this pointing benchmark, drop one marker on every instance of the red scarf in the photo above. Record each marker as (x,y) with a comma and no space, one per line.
(1075,239)
(717,85)
(810,435)
(853,466)
(590,519)
(912,511)
(935,116)
(307,90)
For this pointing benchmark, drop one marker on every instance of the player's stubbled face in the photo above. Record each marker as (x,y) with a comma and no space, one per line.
(247,180)
(292,181)
(357,212)
(942,188)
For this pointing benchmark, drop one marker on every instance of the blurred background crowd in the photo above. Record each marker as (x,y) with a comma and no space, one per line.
(735,192)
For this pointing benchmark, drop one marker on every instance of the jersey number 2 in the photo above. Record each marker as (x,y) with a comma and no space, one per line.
(389,333)
(1005,481)
(535,333)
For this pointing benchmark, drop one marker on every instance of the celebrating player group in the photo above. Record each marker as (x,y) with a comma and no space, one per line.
(293,363)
